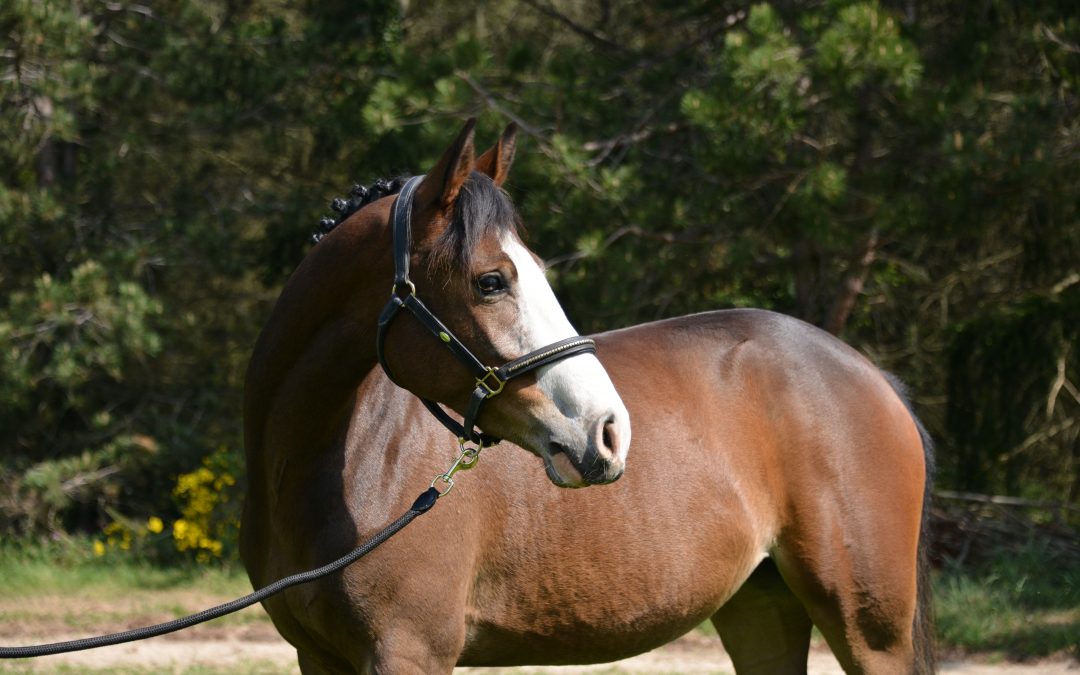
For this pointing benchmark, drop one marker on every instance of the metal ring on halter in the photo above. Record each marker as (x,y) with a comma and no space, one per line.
(408,284)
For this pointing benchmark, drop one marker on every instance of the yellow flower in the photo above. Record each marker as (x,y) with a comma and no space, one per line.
(99,548)
(154,524)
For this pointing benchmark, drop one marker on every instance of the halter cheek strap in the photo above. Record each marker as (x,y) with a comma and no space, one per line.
(489,381)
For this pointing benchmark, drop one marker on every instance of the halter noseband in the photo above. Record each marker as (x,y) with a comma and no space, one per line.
(489,381)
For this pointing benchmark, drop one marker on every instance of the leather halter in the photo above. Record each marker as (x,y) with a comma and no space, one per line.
(489,381)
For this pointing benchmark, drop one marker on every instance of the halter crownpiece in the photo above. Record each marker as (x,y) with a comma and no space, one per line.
(489,381)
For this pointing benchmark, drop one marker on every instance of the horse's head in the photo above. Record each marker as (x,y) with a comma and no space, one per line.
(468,264)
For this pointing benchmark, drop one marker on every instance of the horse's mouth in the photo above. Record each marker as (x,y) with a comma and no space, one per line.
(566,471)
(561,469)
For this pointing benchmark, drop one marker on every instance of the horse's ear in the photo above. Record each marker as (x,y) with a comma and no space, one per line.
(441,185)
(497,160)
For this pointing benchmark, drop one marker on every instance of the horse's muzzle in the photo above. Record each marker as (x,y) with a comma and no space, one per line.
(601,461)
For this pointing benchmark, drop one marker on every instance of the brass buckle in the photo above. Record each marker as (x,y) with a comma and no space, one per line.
(464,461)
(491,389)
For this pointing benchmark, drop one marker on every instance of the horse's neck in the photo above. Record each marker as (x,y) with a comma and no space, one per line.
(318,345)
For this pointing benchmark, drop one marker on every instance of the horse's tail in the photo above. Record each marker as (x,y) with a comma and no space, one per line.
(923,637)
(923,631)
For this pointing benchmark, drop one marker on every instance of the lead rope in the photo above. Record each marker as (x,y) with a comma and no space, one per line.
(422,504)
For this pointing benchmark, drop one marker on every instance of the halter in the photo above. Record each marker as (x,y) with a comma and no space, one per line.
(489,381)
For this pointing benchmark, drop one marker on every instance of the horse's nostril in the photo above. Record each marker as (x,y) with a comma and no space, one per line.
(610,437)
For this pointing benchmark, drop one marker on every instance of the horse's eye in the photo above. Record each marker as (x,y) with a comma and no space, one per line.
(490,284)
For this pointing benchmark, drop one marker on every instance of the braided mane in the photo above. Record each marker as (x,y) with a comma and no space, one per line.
(483,209)
(359,197)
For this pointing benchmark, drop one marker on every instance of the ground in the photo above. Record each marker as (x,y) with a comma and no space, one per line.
(247,642)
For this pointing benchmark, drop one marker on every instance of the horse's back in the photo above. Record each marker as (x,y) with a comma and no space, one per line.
(798,385)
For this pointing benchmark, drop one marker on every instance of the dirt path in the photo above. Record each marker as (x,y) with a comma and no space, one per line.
(249,644)
(259,650)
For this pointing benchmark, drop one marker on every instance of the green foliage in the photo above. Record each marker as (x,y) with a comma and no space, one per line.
(1021,606)
(904,174)
(159,165)
(863,47)
(68,335)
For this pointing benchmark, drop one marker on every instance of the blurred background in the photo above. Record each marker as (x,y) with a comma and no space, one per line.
(905,174)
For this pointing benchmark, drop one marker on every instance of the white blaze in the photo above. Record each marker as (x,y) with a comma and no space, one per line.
(579,386)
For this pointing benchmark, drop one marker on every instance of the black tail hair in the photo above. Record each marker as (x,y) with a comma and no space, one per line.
(923,634)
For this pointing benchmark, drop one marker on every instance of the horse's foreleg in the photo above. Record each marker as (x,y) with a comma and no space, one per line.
(409,654)
(310,664)
(764,627)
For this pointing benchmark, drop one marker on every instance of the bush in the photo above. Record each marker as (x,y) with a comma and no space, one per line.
(208,501)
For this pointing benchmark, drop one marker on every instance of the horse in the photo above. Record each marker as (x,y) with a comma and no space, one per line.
(777,480)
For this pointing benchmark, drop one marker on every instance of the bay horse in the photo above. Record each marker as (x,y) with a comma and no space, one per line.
(777,479)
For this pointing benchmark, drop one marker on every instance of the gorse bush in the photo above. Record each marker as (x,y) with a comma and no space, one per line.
(209,519)
(206,529)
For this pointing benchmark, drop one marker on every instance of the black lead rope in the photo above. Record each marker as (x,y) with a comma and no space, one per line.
(422,504)
(489,382)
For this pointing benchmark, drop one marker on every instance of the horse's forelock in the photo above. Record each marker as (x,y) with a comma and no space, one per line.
(482,210)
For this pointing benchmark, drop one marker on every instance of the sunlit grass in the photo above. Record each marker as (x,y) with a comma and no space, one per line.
(30,569)
(1019,605)
(63,584)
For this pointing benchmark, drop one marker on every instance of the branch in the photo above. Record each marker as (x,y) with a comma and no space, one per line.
(494,104)
(592,36)
(605,148)
(1065,283)
(71,485)
(1067,46)
(853,284)
(1059,382)
(635,231)
(1001,500)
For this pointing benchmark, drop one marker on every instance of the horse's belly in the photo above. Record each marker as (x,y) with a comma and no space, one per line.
(595,575)
(559,621)
(492,645)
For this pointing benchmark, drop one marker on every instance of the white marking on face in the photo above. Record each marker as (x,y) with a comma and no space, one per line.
(579,386)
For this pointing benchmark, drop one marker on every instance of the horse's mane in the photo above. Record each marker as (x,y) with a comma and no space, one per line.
(482,209)
(359,197)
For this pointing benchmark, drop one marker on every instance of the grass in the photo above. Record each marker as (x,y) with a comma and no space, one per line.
(60,589)
(1022,604)
(69,565)
(63,586)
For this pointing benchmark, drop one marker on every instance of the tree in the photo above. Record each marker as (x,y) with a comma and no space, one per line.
(903,174)
(159,165)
